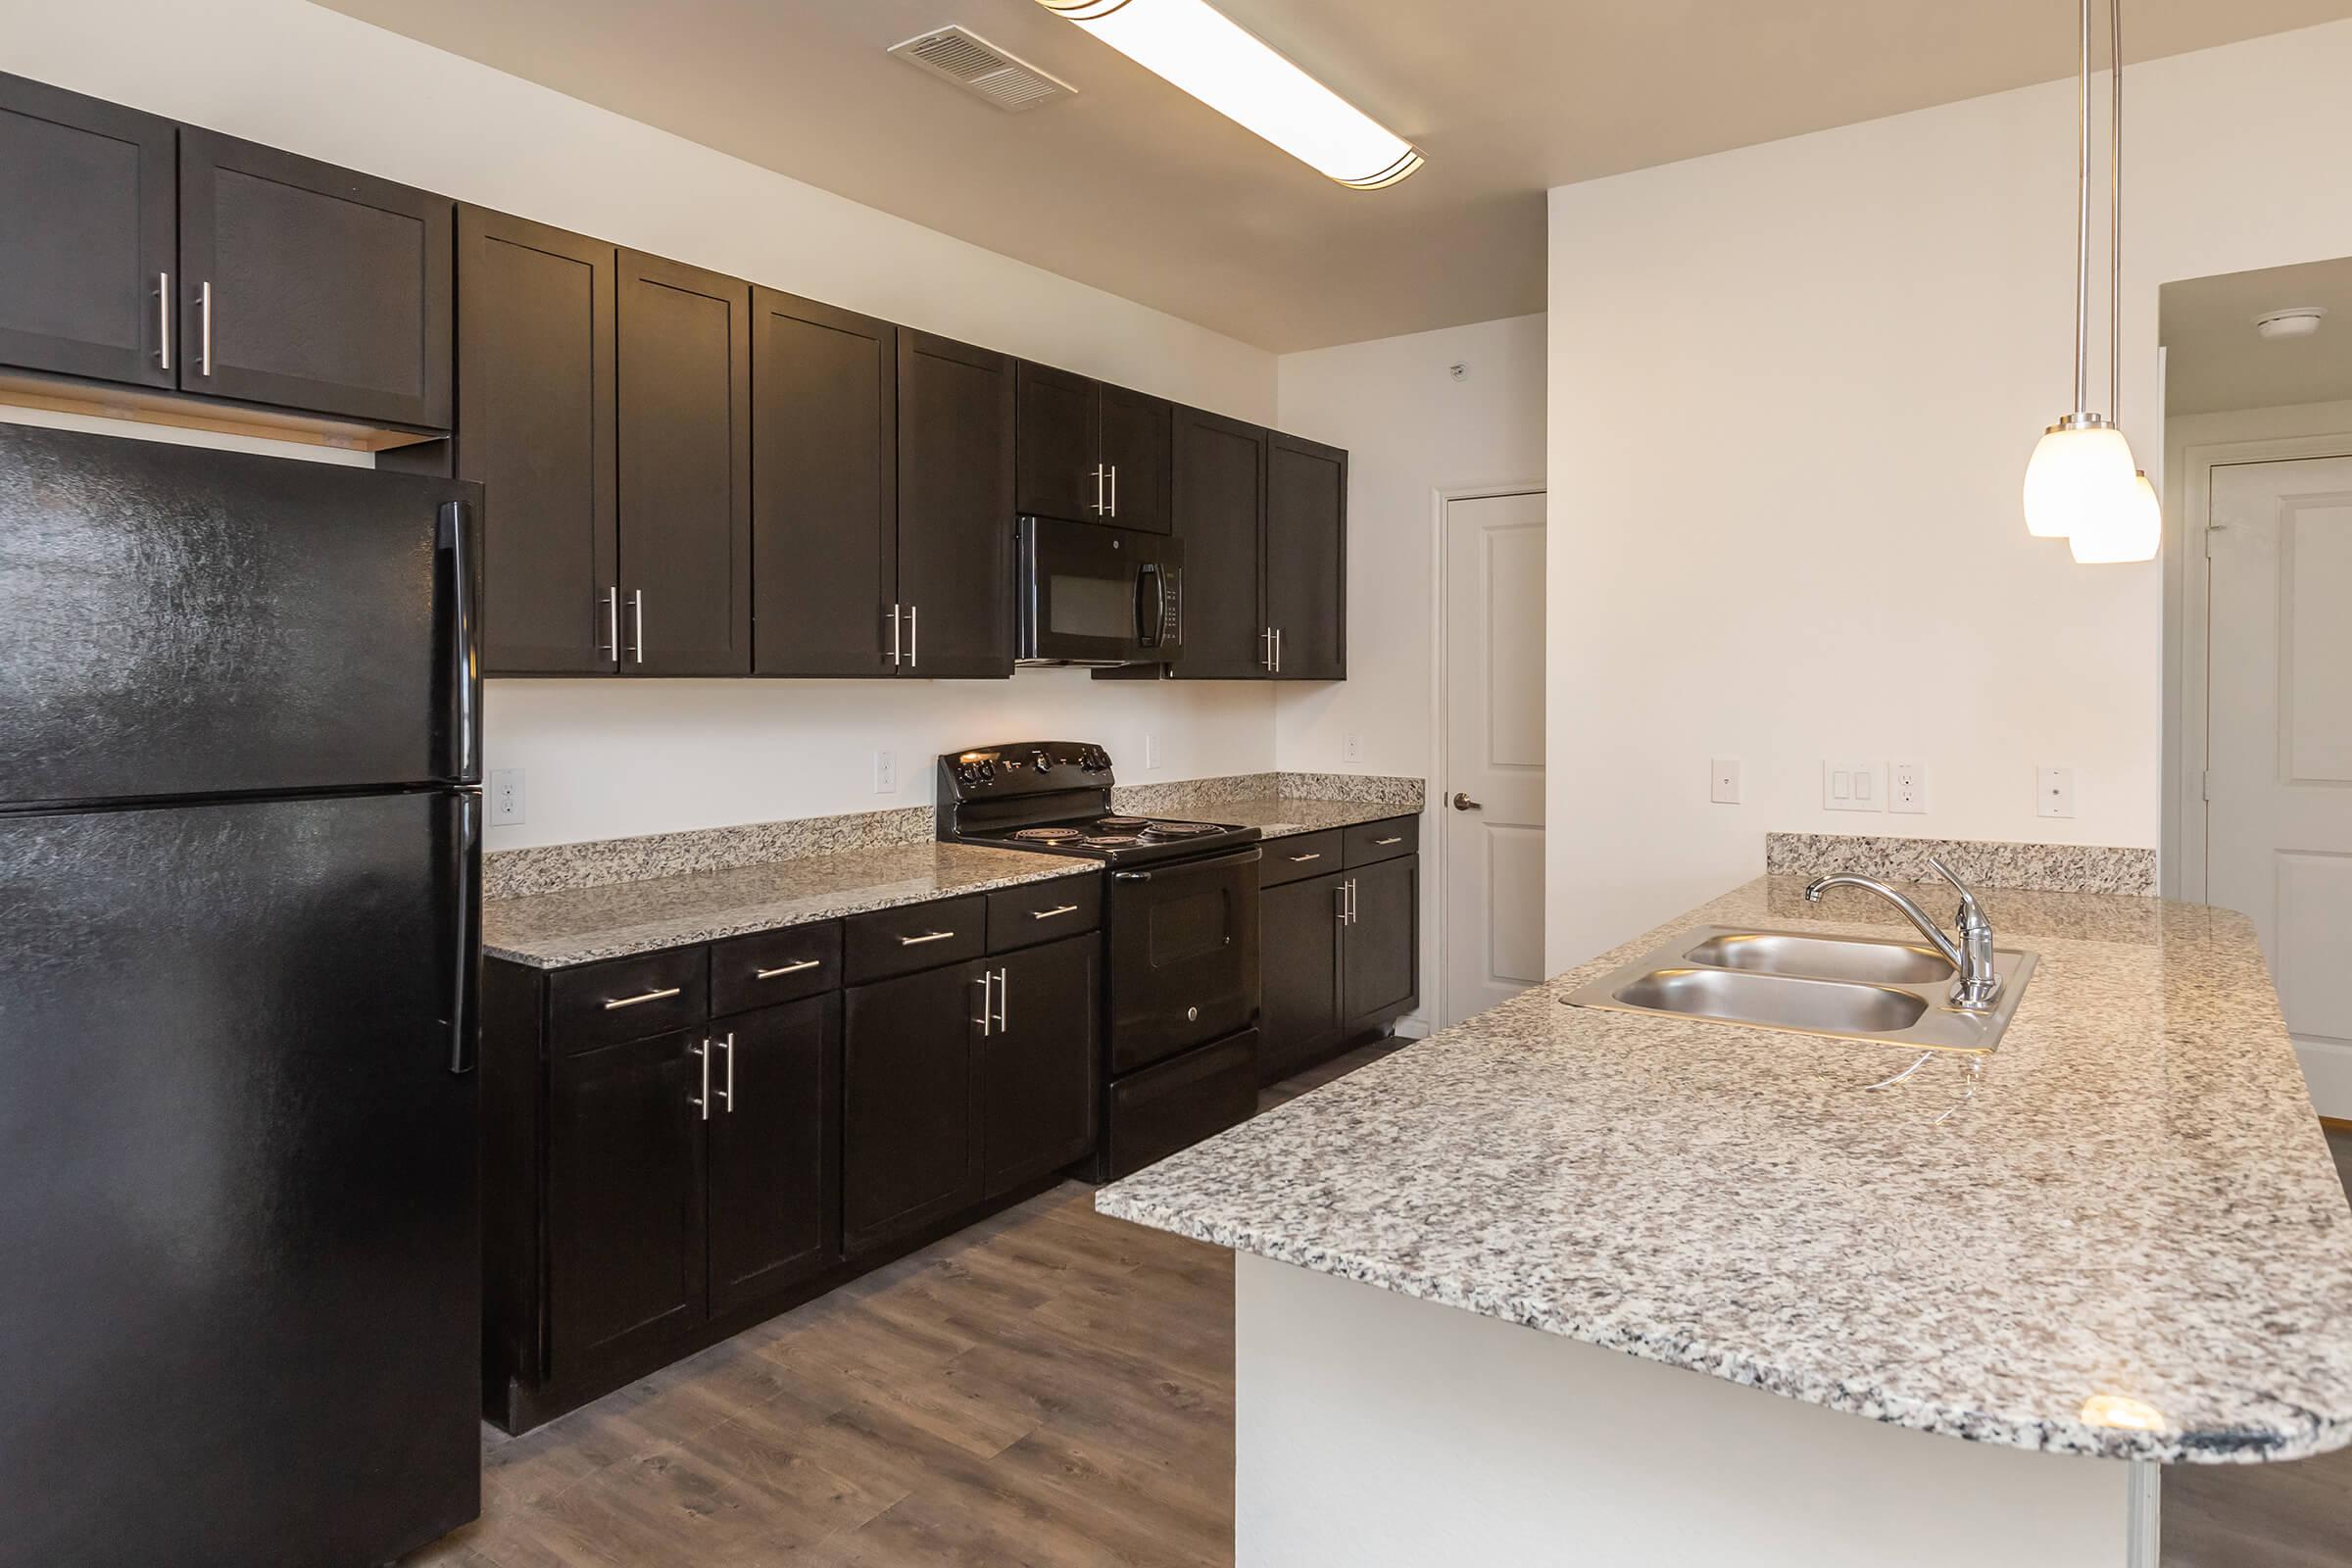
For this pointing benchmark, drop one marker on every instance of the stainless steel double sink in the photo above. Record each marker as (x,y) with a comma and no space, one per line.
(1852,988)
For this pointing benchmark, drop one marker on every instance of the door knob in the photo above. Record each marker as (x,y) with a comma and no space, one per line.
(1463,803)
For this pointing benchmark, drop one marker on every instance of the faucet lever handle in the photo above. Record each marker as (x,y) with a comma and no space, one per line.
(1969,915)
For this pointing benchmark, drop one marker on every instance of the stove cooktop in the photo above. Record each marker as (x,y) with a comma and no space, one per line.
(1113,838)
(1053,797)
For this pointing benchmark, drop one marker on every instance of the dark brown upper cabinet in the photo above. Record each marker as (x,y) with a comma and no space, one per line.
(1090,452)
(1220,498)
(953,611)
(683,395)
(1306,559)
(535,366)
(87,250)
(824,488)
(312,287)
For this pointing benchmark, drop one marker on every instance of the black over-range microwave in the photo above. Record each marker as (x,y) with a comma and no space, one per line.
(1091,595)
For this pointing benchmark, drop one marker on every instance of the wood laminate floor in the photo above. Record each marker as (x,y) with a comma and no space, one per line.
(1048,1387)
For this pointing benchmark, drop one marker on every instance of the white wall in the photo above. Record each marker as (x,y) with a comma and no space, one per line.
(607,758)
(1792,392)
(1410,431)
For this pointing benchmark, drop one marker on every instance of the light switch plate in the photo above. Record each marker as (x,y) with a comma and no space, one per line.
(1723,780)
(886,773)
(1907,787)
(1852,787)
(1353,746)
(506,797)
(2054,792)
(1151,752)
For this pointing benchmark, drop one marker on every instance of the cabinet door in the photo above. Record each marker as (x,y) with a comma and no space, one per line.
(86,249)
(1059,446)
(1220,498)
(535,378)
(1037,1061)
(684,397)
(1381,958)
(624,1197)
(775,1199)
(1299,937)
(1306,558)
(330,291)
(956,510)
(824,488)
(1138,444)
(908,1150)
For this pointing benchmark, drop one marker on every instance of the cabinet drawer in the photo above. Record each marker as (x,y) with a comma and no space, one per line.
(1301,855)
(627,999)
(920,936)
(1043,912)
(1384,840)
(772,966)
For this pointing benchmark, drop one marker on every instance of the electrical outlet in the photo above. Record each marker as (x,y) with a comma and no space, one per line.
(886,773)
(1907,787)
(1852,787)
(1151,753)
(1722,781)
(2054,792)
(1351,745)
(506,797)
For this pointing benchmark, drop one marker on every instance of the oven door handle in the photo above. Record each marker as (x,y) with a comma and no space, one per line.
(1194,868)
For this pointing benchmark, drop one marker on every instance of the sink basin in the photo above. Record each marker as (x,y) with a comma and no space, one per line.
(1849,987)
(1823,958)
(1831,1006)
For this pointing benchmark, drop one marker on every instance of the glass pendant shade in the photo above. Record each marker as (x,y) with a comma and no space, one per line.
(2077,470)
(2129,530)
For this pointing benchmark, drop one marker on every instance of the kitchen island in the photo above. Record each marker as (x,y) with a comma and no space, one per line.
(2115,1241)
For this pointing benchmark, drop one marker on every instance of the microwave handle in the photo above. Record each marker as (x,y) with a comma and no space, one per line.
(1148,634)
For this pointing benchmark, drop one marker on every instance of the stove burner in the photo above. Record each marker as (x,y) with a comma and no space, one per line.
(1047,835)
(1106,840)
(1123,823)
(1178,830)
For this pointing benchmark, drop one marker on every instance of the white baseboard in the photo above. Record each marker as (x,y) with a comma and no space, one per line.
(2327,1069)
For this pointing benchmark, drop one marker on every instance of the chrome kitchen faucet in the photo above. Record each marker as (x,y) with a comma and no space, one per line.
(1971,956)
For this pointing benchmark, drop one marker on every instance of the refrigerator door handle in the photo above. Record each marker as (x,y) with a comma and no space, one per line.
(465,1031)
(463,715)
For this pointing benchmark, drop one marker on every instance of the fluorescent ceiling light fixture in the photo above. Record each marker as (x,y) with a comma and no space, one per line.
(1195,47)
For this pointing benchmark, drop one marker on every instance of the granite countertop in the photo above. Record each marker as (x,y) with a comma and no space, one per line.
(2117,1234)
(555,930)
(1283,816)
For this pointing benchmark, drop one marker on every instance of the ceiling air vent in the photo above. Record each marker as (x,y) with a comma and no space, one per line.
(981,68)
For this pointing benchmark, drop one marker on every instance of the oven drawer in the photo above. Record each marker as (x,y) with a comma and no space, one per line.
(627,999)
(918,936)
(1384,840)
(1304,855)
(1183,957)
(1152,1114)
(1043,912)
(771,966)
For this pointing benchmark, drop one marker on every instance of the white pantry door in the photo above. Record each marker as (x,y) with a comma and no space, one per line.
(1493,813)
(2279,823)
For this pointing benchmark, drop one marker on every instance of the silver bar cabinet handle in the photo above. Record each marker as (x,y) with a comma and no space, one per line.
(894,655)
(1302,859)
(728,1093)
(163,320)
(1278,650)
(1385,843)
(1048,914)
(650,996)
(612,607)
(1003,990)
(928,936)
(204,328)
(702,1102)
(1114,489)
(1097,489)
(637,624)
(987,1019)
(801,968)
(914,636)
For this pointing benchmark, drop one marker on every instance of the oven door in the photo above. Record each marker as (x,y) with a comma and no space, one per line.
(1182,950)
(1091,595)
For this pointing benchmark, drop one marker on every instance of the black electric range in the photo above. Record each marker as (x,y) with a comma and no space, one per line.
(1180,938)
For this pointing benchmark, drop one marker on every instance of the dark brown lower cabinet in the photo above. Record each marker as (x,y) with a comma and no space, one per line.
(908,1150)
(1381,945)
(626,1198)
(1299,926)
(774,1215)
(1038,1062)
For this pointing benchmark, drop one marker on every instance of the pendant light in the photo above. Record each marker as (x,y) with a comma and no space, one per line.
(2082,481)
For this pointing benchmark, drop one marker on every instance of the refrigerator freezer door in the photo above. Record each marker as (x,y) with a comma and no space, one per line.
(184,622)
(240,1305)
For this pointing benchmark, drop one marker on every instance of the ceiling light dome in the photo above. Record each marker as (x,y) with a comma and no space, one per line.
(2081,469)
(2124,527)
(2296,320)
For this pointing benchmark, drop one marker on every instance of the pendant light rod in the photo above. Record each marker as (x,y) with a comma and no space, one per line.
(2083,223)
(2115,214)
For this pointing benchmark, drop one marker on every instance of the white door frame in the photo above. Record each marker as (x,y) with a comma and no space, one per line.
(2194,714)
(1440,786)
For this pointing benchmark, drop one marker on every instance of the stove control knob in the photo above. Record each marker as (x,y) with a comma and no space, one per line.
(1040,760)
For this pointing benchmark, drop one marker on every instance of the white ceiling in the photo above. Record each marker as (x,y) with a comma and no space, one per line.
(2214,360)
(1138,189)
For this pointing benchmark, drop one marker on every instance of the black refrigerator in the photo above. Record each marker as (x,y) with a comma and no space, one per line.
(239,853)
